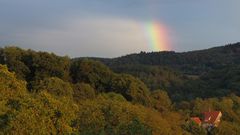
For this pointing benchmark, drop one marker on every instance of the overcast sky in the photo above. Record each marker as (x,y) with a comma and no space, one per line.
(111,28)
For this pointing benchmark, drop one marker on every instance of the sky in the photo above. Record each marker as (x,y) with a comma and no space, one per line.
(112,28)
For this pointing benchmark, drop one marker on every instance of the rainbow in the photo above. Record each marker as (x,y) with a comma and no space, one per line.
(157,36)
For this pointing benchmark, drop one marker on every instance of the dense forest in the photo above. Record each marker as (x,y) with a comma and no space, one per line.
(153,93)
(206,73)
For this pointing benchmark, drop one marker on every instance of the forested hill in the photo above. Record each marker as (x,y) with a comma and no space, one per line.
(193,62)
(205,73)
(140,94)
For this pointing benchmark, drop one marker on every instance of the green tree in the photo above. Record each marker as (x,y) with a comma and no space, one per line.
(134,128)
(160,100)
(56,87)
(12,57)
(112,96)
(25,113)
(227,128)
(83,91)
(92,72)
(131,88)
(194,129)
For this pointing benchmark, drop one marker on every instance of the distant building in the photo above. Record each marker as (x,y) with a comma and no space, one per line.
(196,120)
(210,120)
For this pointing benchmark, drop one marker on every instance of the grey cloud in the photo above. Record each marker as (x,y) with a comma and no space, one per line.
(108,36)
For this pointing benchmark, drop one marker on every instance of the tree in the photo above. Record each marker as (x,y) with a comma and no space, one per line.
(134,128)
(112,96)
(24,113)
(92,72)
(12,57)
(131,88)
(227,128)
(83,91)
(45,65)
(56,87)
(102,79)
(194,129)
(160,100)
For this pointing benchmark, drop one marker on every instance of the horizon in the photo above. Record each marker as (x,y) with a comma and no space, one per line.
(111,29)
(222,45)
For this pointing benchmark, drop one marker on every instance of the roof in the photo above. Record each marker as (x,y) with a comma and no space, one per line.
(210,117)
(196,120)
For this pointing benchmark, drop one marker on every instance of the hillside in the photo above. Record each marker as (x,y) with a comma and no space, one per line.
(42,93)
(204,73)
(193,62)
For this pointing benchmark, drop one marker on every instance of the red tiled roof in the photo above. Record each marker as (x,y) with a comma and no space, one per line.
(196,120)
(210,117)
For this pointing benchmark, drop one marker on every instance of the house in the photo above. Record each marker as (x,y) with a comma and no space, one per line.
(196,120)
(211,118)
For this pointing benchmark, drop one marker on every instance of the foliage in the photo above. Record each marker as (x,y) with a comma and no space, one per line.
(83,91)
(34,66)
(55,86)
(92,72)
(227,128)
(22,112)
(193,63)
(49,111)
(194,129)
(155,77)
(148,93)
(112,96)
(103,79)
(109,116)
(160,100)
(187,75)
(131,88)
